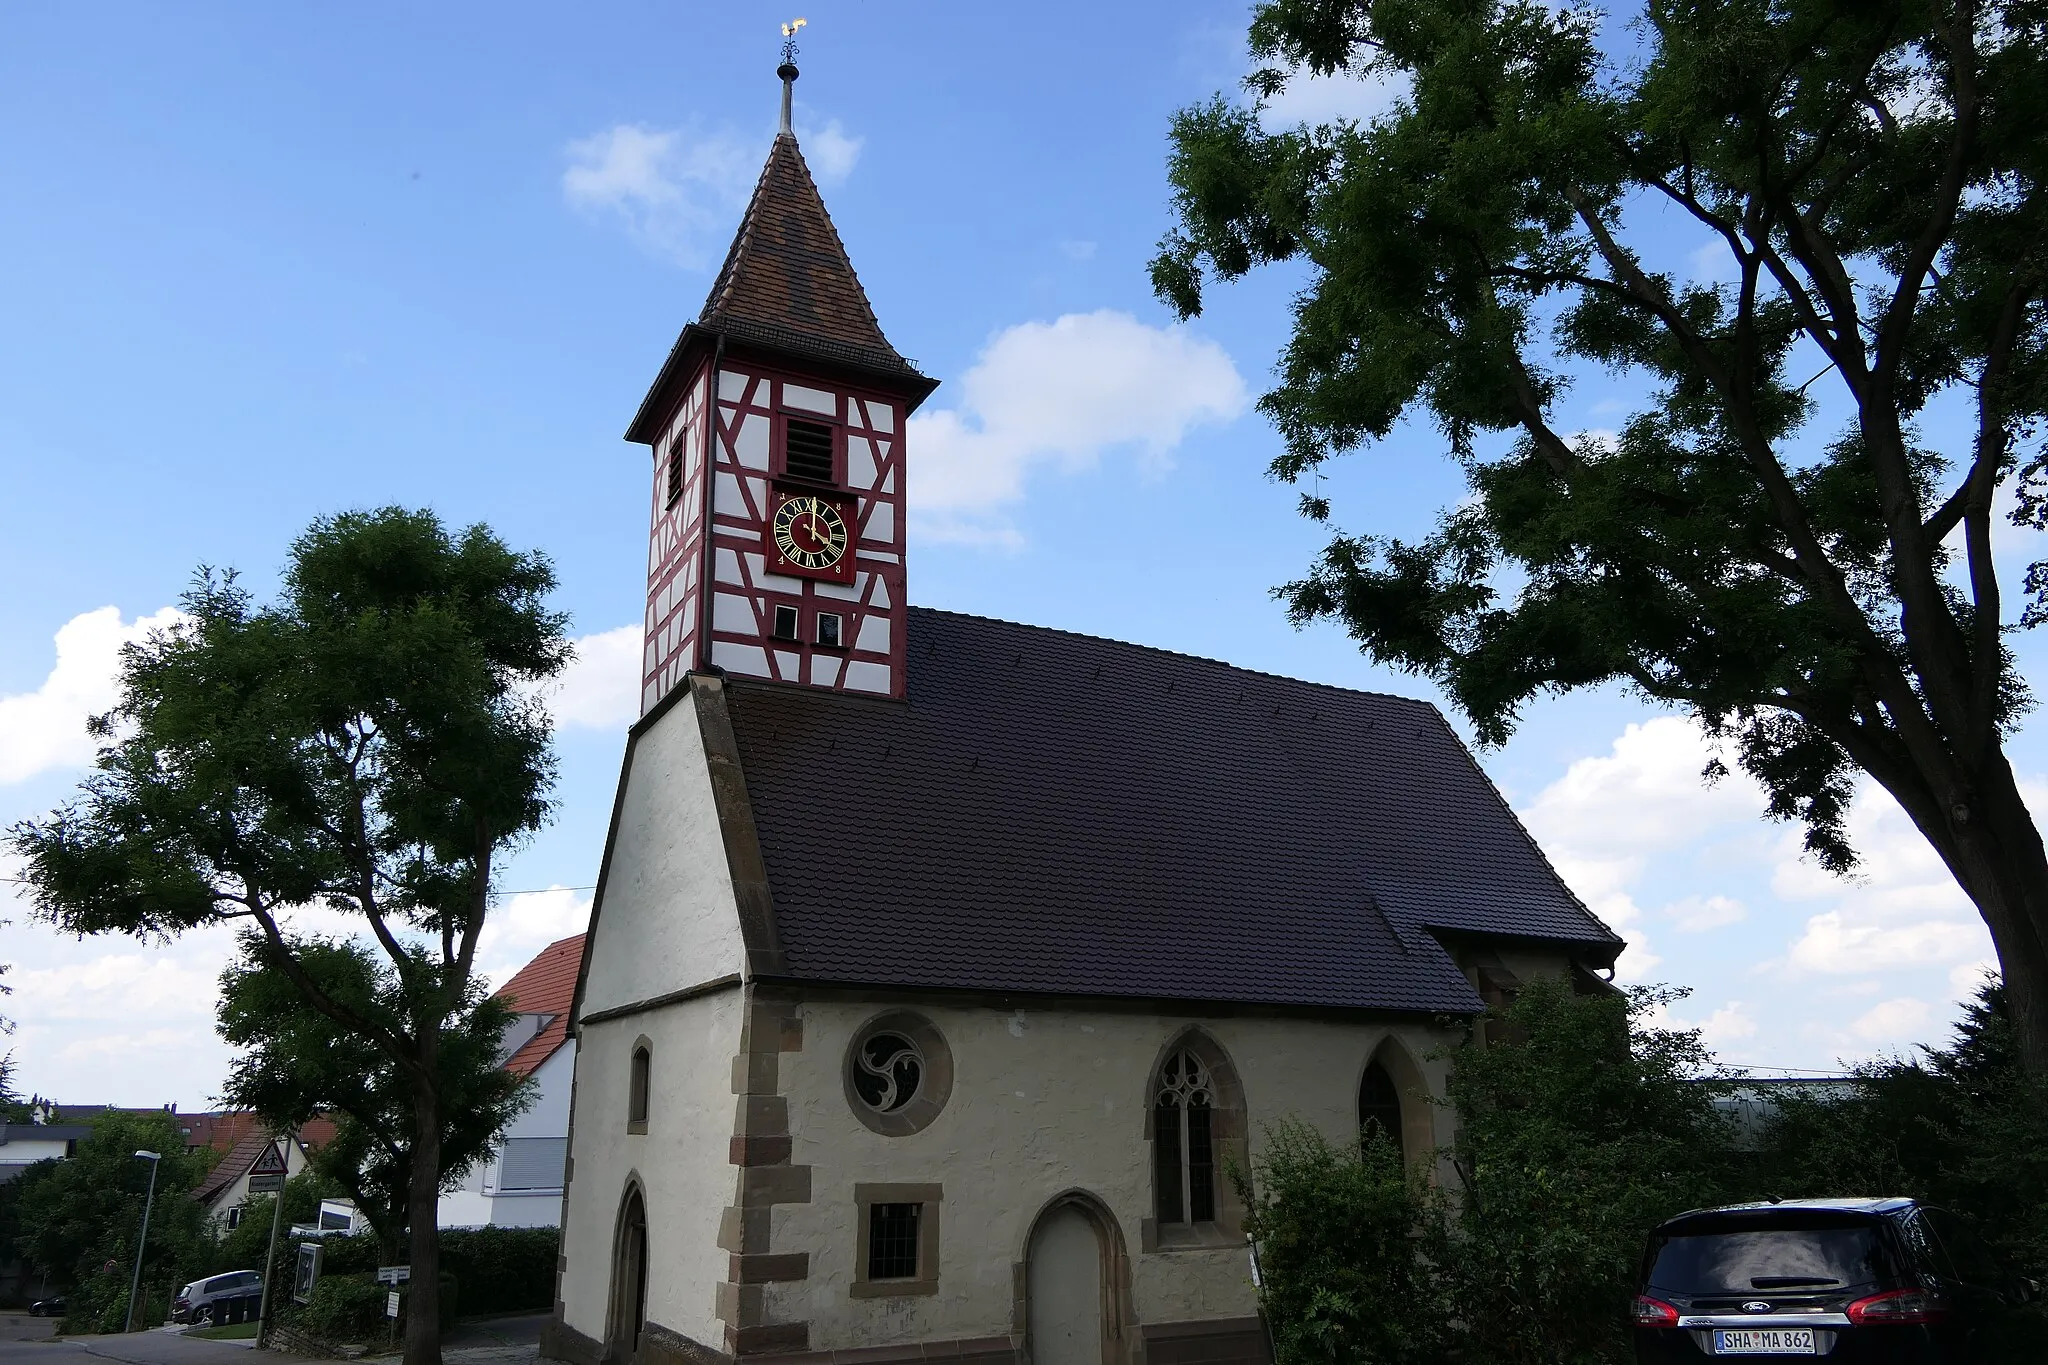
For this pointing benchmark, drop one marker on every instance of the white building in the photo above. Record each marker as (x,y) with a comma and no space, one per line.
(939,966)
(22,1145)
(521,1185)
(225,1191)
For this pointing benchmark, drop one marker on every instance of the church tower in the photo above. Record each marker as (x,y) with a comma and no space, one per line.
(775,547)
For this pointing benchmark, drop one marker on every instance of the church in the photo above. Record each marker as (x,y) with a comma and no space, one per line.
(940,968)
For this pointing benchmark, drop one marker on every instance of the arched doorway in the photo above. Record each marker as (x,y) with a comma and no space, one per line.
(1077,1302)
(629,1279)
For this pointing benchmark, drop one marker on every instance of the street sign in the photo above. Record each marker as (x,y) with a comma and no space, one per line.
(270,1163)
(391,1304)
(265,1184)
(393,1274)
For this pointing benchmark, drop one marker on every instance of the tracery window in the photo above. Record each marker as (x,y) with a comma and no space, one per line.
(1379,1106)
(1183,1141)
(888,1071)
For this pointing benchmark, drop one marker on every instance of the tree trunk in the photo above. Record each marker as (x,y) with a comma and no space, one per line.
(1992,847)
(423,1302)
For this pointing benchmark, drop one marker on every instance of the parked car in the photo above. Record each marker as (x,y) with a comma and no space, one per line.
(47,1308)
(204,1300)
(1859,1281)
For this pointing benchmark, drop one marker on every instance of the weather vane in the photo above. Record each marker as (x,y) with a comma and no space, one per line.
(789,40)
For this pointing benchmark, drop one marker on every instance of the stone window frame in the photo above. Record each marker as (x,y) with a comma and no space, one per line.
(935,1086)
(1229,1137)
(1417,1138)
(929,1197)
(640,1085)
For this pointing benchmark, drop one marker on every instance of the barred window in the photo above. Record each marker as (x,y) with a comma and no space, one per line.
(1183,1145)
(892,1241)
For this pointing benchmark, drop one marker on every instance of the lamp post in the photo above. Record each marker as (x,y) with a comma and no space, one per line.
(135,1286)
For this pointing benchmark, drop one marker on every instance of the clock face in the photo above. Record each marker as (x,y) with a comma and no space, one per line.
(810,532)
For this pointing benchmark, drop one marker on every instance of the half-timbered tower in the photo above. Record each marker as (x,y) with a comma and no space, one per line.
(939,966)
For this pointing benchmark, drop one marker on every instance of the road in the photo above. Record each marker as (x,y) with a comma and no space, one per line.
(26,1341)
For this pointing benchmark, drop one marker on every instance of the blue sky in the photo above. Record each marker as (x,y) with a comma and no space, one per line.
(266,263)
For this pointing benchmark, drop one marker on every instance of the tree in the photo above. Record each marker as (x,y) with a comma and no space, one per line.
(369,746)
(300,1063)
(81,1215)
(1826,601)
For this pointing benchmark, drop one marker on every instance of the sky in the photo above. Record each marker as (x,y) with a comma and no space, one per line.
(263,263)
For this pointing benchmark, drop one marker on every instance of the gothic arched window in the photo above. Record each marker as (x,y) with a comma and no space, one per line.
(1379,1106)
(1183,1141)
(637,1082)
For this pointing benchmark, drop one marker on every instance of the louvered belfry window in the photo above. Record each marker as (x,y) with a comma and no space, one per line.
(807,450)
(1183,1145)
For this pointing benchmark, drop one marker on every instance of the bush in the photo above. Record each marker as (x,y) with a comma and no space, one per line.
(343,1309)
(503,1270)
(1341,1236)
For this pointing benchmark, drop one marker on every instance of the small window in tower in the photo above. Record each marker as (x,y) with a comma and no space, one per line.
(892,1241)
(785,623)
(675,471)
(807,450)
(828,629)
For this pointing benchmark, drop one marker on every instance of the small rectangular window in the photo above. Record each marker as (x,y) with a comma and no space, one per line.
(807,450)
(892,1241)
(828,629)
(785,623)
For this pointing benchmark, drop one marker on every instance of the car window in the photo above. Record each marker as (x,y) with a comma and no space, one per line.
(1975,1263)
(1743,1256)
(1927,1249)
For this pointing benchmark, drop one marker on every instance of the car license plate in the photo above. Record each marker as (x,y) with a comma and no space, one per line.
(1763,1341)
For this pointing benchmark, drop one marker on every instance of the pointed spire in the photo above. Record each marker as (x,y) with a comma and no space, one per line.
(786,282)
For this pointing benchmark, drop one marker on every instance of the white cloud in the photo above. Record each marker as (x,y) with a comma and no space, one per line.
(1060,395)
(1835,942)
(1711,263)
(1893,1023)
(676,190)
(1316,100)
(600,689)
(520,926)
(45,728)
(679,191)
(831,152)
(1968,978)
(1697,914)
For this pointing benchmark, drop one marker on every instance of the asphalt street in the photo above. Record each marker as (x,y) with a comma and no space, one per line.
(28,1341)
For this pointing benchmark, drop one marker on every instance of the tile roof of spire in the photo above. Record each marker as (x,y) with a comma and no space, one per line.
(787,283)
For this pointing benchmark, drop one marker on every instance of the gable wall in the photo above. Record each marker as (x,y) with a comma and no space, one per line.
(680,1161)
(667,919)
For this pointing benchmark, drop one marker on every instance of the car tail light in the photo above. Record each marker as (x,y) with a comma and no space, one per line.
(1649,1312)
(1897,1306)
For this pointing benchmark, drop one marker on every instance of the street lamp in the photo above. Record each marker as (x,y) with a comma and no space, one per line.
(135,1286)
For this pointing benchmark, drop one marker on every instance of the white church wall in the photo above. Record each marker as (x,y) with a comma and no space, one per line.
(667,920)
(1043,1102)
(681,1162)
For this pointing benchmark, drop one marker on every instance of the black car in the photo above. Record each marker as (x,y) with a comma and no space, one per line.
(47,1308)
(1859,1281)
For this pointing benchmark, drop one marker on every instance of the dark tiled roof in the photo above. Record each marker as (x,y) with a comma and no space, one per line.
(546,985)
(1050,812)
(787,283)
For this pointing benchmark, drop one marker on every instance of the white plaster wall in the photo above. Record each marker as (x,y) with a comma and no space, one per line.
(668,919)
(682,1162)
(549,1116)
(1042,1103)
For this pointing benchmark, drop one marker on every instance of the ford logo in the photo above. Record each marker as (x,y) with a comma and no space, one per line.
(1756,1306)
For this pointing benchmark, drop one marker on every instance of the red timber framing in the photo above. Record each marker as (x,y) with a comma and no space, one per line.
(714,601)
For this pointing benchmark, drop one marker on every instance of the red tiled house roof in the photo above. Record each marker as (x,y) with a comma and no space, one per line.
(545,986)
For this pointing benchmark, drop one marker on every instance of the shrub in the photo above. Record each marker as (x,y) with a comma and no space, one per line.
(343,1309)
(503,1270)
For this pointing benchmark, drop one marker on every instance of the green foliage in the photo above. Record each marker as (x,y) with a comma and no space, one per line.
(1580,1128)
(499,1270)
(1965,1128)
(1826,601)
(1574,1139)
(76,1216)
(343,1309)
(244,1246)
(371,744)
(299,1063)
(1343,1239)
